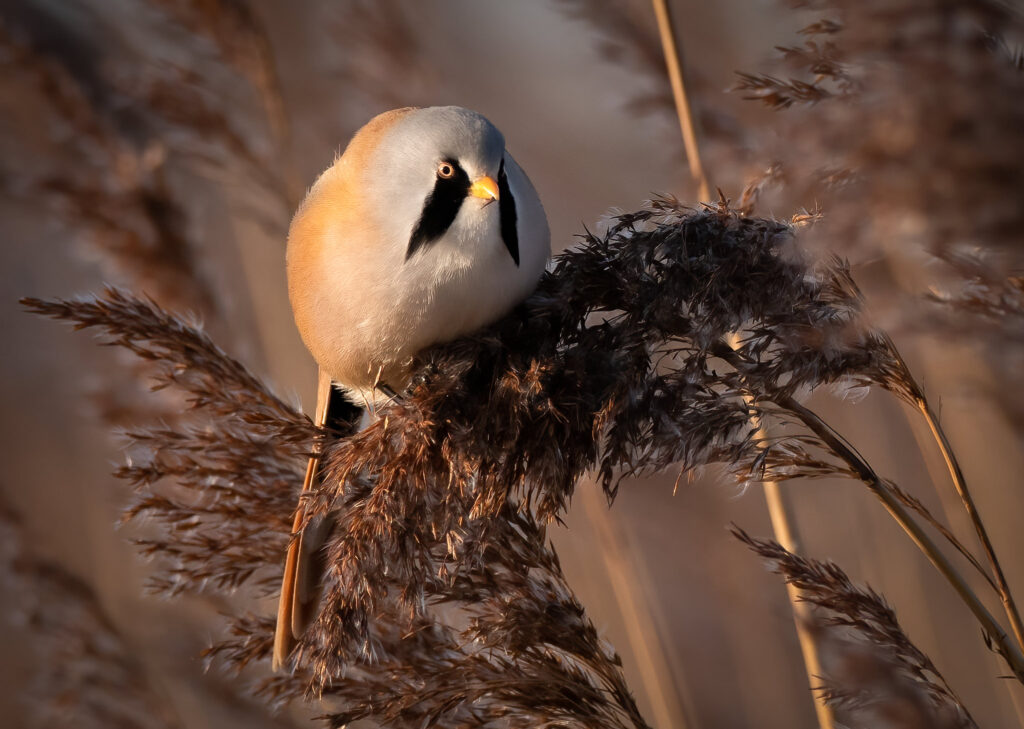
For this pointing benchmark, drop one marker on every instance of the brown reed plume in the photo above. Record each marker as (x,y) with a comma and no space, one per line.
(525,649)
(888,680)
(242,41)
(934,101)
(121,140)
(121,205)
(443,601)
(384,58)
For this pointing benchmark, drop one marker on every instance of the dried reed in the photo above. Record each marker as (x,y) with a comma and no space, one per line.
(439,566)
(783,522)
(889,671)
(938,74)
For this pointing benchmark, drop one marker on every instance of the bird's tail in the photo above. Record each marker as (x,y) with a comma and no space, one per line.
(304,565)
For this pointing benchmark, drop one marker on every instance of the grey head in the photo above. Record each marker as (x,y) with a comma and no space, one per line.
(432,157)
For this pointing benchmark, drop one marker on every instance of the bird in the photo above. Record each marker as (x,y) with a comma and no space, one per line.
(423,230)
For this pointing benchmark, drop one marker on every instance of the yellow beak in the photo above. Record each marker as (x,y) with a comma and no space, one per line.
(486,188)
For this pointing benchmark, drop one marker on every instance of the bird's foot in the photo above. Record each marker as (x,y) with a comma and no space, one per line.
(389,391)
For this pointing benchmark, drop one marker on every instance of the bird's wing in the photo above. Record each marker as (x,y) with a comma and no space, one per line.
(304,567)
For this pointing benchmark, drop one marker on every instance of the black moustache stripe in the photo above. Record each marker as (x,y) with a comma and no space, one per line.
(507,207)
(440,209)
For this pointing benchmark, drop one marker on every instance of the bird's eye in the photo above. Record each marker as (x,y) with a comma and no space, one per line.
(446,170)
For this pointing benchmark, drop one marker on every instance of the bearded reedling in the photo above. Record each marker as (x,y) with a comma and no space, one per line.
(397,246)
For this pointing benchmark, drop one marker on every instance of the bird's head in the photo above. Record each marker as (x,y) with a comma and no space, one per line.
(437,172)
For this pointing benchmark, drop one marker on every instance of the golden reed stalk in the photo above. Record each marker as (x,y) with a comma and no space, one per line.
(675,76)
(637,614)
(960,484)
(785,530)
(782,520)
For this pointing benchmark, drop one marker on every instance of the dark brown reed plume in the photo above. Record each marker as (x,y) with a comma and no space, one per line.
(801,330)
(443,601)
(523,649)
(878,677)
(88,676)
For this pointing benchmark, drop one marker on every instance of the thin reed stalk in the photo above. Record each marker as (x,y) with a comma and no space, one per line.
(675,75)
(915,396)
(951,509)
(786,533)
(636,613)
(960,484)
(994,631)
(781,521)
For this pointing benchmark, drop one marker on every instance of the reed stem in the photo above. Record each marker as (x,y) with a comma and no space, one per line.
(675,75)
(782,523)
(785,532)
(1009,650)
(960,484)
